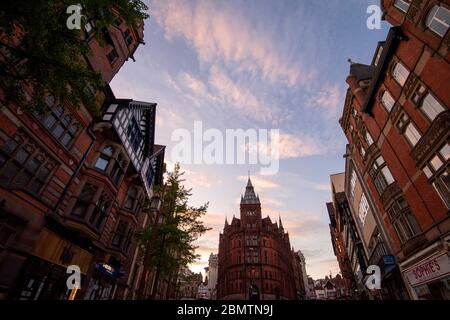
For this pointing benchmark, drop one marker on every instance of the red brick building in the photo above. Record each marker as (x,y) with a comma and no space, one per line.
(72,185)
(255,258)
(396,119)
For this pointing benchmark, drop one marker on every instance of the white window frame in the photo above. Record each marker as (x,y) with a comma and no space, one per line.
(387,100)
(402,5)
(432,18)
(412,134)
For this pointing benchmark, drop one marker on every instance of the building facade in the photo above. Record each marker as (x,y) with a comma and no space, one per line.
(72,184)
(211,274)
(255,259)
(396,119)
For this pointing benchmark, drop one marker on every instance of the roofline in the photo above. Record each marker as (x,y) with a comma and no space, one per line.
(392,41)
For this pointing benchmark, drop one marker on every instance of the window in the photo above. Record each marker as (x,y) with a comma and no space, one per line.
(381,175)
(133,202)
(387,100)
(403,220)
(437,171)
(89,27)
(120,233)
(118,169)
(368,138)
(418,94)
(9,227)
(112,56)
(128,37)
(353,183)
(363,208)
(431,107)
(438,20)
(104,158)
(134,135)
(362,151)
(84,200)
(408,129)
(403,5)
(251,240)
(60,123)
(24,165)
(100,212)
(400,73)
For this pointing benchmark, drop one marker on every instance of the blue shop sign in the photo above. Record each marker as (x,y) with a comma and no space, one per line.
(110,270)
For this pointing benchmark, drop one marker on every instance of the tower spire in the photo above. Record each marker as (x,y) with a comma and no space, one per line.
(249,195)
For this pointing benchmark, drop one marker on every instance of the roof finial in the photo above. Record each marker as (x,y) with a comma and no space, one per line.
(350,61)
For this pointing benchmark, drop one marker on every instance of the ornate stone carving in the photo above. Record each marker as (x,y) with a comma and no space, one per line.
(391,192)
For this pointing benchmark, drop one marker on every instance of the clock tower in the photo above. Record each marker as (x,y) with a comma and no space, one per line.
(250,207)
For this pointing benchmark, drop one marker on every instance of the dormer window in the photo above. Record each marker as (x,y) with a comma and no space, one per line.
(400,73)
(402,5)
(438,20)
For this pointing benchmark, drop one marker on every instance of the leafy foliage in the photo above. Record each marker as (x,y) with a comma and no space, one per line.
(39,51)
(169,245)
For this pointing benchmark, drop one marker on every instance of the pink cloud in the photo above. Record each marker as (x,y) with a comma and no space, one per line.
(219,33)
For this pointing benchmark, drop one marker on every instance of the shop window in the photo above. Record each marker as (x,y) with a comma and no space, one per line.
(438,20)
(381,175)
(437,171)
(403,220)
(24,165)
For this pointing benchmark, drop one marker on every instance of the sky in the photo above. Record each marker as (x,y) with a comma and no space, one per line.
(256,64)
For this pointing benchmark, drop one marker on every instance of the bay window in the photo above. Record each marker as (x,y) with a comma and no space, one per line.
(403,220)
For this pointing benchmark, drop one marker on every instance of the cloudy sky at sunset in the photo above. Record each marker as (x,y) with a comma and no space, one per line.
(263,65)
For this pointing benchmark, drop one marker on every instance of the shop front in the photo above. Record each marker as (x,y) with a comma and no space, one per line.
(103,283)
(429,279)
(44,275)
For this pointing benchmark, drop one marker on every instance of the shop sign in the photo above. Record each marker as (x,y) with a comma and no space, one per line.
(430,269)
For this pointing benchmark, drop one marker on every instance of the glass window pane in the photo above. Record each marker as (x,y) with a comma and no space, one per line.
(387,100)
(439,27)
(58,131)
(445,151)
(43,173)
(36,186)
(32,165)
(66,139)
(436,162)
(412,134)
(400,73)
(431,107)
(50,121)
(9,146)
(8,172)
(22,156)
(23,178)
(101,163)
(58,110)
(67,120)
(387,175)
(427,172)
(442,185)
(108,151)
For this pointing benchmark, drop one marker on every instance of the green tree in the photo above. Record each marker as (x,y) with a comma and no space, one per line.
(170,245)
(38,50)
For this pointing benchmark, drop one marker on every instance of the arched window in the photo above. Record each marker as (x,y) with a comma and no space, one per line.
(438,20)
(104,158)
(387,100)
(400,73)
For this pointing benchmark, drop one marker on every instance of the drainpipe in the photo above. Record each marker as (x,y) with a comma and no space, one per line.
(83,160)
